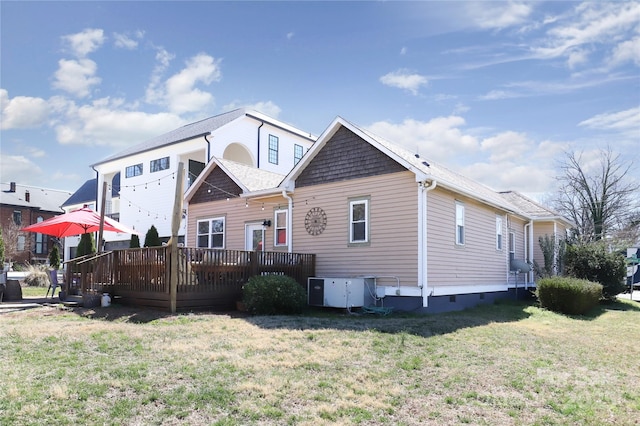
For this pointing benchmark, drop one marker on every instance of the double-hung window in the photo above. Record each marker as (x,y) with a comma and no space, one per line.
(359,221)
(297,153)
(459,223)
(211,233)
(159,164)
(498,233)
(17,217)
(280,228)
(273,149)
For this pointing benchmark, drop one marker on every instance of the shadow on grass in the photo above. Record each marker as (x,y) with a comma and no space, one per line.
(604,307)
(319,319)
(424,325)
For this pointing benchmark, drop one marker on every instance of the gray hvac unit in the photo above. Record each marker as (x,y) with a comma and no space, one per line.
(336,292)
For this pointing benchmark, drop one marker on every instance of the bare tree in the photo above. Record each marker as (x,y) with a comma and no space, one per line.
(11,236)
(599,201)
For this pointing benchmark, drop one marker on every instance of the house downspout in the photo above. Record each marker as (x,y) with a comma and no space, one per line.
(529,251)
(208,148)
(289,221)
(422,238)
(258,156)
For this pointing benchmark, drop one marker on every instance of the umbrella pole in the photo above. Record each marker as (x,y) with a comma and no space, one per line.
(103,201)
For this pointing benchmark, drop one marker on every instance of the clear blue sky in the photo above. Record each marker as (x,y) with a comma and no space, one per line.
(494,90)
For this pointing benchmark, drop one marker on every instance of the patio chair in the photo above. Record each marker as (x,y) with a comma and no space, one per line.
(53,283)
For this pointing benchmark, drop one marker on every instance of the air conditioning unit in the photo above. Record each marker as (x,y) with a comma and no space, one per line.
(336,292)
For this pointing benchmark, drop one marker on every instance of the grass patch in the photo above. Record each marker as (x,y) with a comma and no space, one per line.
(500,365)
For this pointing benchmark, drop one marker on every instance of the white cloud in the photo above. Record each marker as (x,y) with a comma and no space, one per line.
(124,41)
(266,107)
(603,24)
(404,79)
(627,120)
(85,42)
(179,92)
(505,146)
(22,112)
(627,51)
(438,139)
(76,76)
(499,94)
(498,15)
(106,122)
(17,168)
(505,176)
(290,35)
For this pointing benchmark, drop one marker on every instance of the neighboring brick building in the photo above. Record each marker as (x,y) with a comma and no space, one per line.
(23,205)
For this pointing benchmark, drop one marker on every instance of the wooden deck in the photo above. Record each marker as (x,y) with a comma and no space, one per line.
(206,279)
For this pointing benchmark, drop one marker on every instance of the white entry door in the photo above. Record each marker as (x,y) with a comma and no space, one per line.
(254,237)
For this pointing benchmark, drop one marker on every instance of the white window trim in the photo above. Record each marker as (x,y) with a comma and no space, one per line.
(499,234)
(277,226)
(209,239)
(366,221)
(459,222)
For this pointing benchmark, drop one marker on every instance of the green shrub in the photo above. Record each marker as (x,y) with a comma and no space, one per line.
(152,239)
(567,295)
(135,241)
(87,245)
(54,258)
(593,262)
(274,295)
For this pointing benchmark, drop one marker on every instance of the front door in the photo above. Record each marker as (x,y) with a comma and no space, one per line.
(254,237)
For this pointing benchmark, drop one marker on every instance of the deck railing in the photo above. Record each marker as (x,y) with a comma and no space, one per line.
(207,278)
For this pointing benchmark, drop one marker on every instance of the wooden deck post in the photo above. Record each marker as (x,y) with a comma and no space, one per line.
(175,227)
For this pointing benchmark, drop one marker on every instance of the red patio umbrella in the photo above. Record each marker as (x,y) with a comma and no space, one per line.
(77,222)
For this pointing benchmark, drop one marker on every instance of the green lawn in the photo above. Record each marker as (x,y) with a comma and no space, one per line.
(505,364)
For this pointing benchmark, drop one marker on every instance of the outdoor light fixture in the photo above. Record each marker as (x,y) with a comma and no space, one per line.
(266,223)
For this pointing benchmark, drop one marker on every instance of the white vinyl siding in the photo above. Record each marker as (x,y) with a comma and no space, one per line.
(459,223)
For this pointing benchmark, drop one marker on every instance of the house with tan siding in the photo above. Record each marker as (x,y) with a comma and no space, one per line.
(420,236)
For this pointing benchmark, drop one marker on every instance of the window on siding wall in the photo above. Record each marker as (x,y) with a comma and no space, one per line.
(359,221)
(459,223)
(211,233)
(280,228)
(131,171)
(498,233)
(159,164)
(297,153)
(512,246)
(40,240)
(273,149)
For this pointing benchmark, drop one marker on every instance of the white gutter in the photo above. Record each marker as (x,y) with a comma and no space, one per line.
(422,238)
(289,221)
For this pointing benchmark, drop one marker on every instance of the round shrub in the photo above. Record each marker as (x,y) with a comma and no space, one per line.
(593,262)
(273,295)
(569,296)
